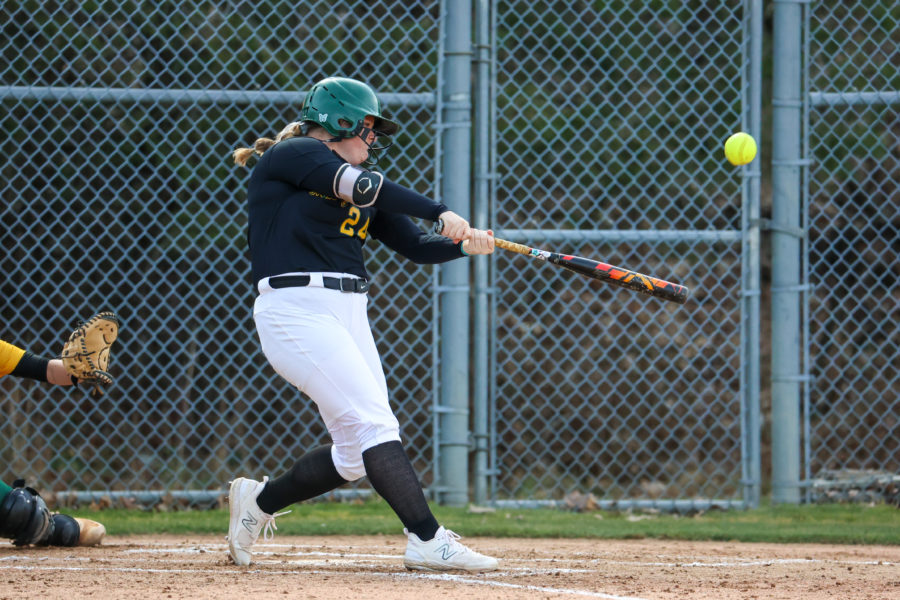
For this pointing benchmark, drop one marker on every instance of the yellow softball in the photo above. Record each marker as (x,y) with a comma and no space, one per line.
(740,148)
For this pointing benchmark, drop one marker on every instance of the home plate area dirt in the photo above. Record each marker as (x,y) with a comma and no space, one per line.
(370,567)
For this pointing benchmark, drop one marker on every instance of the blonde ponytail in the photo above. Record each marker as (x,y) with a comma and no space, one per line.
(242,155)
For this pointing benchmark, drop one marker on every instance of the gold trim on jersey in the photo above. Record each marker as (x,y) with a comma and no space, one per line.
(9,357)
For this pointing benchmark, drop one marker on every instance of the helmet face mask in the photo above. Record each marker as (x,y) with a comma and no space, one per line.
(381,142)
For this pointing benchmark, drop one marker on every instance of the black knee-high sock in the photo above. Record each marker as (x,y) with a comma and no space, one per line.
(312,475)
(393,477)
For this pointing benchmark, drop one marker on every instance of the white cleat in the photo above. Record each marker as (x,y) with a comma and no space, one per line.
(247,519)
(444,553)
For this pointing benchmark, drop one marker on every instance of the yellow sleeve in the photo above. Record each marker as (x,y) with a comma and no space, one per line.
(9,357)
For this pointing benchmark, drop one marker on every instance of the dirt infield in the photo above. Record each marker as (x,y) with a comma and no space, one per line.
(344,567)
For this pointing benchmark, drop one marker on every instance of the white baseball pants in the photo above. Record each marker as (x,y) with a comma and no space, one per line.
(321,342)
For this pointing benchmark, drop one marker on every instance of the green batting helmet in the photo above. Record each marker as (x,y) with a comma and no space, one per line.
(338,99)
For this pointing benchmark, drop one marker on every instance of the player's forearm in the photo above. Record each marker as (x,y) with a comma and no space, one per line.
(401,235)
(56,373)
(397,199)
(50,370)
(426,249)
(21,363)
(432,250)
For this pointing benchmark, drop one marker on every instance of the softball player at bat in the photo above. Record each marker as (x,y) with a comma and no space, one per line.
(311,209)
(24,517)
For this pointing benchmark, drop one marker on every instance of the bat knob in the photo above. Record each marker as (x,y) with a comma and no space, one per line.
(438,226)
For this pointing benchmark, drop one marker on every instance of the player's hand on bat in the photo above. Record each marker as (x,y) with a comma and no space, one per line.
(455,227)
(481,242)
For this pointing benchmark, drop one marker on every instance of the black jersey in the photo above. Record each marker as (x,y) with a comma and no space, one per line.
(295,224)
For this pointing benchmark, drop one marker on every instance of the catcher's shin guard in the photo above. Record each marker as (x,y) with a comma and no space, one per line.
(73,531)
(65,532)
(24,516)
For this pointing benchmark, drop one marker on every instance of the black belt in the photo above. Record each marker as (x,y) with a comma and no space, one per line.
(345,284)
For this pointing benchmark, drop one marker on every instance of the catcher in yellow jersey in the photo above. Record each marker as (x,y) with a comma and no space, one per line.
(24,516)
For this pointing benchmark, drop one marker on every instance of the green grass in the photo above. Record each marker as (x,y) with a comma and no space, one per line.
(839,524)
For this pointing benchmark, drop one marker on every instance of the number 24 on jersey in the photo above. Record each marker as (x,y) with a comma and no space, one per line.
(348,227)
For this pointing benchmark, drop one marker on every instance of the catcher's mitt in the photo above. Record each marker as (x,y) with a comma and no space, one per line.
(86,353)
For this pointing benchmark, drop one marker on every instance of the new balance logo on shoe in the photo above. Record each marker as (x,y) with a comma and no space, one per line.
(446,552)
(250,522)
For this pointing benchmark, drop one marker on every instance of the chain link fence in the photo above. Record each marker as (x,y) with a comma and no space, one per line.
(119,193)
(853,216)
(610,124)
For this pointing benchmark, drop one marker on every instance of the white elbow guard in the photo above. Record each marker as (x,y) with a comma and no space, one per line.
(357,186)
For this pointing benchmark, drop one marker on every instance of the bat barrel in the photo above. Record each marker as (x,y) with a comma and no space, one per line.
(637,282)
(645,284)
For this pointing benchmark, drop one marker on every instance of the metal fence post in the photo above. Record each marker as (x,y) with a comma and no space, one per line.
(750,255)
(456,27)
(786,251)
(481,219)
